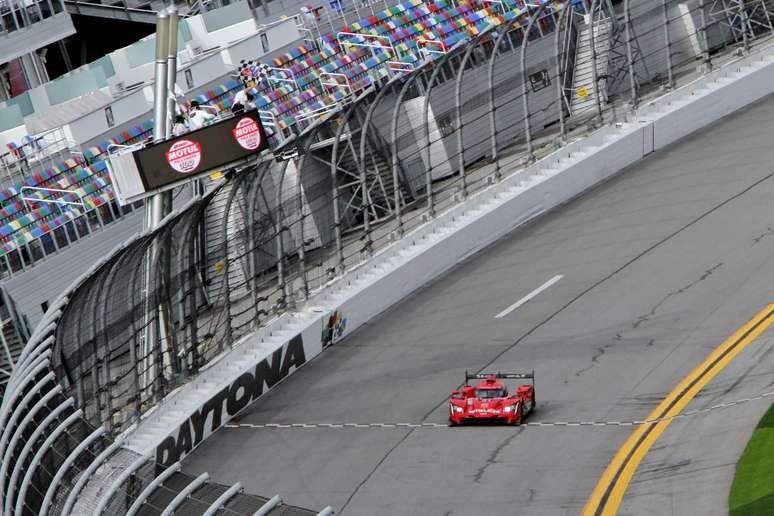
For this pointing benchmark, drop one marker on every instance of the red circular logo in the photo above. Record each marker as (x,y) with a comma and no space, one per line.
(248,134)
(184,156)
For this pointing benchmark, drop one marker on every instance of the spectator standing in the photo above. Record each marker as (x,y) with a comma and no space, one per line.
(198,117)
(240,101)
(180,127)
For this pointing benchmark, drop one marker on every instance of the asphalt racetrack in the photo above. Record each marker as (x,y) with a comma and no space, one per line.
(660,265)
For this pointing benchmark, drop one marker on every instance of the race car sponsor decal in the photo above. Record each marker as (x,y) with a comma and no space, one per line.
(486,411)
(184,156)
(247,133)
(333,328)
(228,402)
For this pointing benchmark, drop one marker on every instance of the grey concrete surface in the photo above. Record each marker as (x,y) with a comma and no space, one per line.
(660,265)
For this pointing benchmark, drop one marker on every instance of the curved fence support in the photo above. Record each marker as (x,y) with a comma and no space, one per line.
(524,89)
(458,105)
(223,499)
(33,466)
(343,124)
(561,61)
(269,506)
(364,136)
(118,482)
(428,144)
(287,298)
(178,500)
(20,408)
(394,145)
(65,468)
(17,434)
(704,41)
(594,71)
(32,441)
(633,89)
(667,44)
(86,475)
(492,106)
(150,488)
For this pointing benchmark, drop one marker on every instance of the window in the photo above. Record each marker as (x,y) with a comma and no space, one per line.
(189,79)
(539,80)
(109,116)
(486,394)
(265,42)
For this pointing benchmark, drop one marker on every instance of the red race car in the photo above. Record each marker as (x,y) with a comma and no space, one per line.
(489,400)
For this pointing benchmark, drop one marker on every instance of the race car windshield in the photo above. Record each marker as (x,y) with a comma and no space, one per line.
(490,393)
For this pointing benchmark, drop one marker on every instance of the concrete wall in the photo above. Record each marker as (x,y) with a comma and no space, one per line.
(39,35)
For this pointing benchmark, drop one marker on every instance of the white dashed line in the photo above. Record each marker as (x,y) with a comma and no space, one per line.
(529,296)
(529,423)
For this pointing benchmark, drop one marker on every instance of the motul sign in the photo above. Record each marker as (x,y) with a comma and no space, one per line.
(184,156)
(247,133)
(214,147)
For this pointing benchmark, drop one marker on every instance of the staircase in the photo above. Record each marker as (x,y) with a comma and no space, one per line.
(379,181)
(583,99)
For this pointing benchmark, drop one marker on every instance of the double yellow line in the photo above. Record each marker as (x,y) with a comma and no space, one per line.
(609,492)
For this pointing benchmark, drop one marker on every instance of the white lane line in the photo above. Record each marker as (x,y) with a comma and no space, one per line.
(529,296)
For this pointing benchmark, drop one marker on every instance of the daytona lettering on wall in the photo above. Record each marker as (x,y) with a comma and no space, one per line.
(184,156)
(228,402)
(247,133)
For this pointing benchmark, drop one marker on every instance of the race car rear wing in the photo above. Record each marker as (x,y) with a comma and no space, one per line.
(498,374)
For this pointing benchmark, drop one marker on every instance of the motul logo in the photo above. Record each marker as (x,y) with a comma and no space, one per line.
(184,156)
(248,134)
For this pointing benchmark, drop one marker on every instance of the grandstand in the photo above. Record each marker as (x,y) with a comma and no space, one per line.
(345,65)
(377,125)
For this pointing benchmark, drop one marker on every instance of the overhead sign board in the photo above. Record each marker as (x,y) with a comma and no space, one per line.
(163,165)
(203,150)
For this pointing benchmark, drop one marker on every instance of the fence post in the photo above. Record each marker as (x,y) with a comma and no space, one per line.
(703,40)
(300,166)
(367,125)
(633,87)
(560,62)
(594,76)
(524,88)
(394,140)
(668,43)
(426,120)
(458,107)
(301,249)
(492,106)
(343,123)
(281,281)
(134,346)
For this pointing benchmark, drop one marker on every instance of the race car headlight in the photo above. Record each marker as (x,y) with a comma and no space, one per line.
(457,409)
(511,408)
